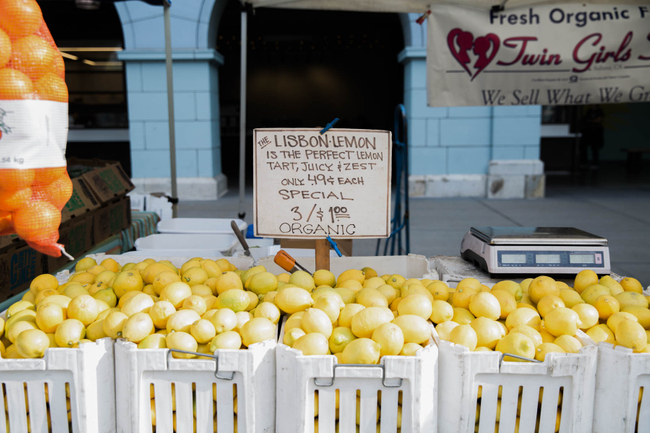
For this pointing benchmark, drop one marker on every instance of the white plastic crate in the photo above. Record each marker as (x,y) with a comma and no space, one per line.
(411,379)
(570,377)
(200,225)
(411,266)
(251,372)
(621,376)
(189,244)
(89,373)
(452,269)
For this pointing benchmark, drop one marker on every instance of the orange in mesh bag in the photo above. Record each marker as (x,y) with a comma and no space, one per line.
(34,182)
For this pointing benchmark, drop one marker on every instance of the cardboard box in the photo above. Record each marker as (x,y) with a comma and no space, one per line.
(111,218)
(18,267)
(108,182)
(345,245)
(82,201)
(77,237)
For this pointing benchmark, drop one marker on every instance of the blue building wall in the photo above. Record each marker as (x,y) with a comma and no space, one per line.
(460,140)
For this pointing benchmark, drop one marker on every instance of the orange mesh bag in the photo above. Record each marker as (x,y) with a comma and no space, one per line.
(34,181)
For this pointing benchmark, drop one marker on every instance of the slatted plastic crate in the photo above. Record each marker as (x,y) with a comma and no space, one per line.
(563,382)
(248,373)
(622,376)
(409,379)
(89,375)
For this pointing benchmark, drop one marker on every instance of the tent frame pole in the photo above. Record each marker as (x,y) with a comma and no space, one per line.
(170,107)
(242,114)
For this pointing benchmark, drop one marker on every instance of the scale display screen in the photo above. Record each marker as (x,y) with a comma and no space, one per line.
(539,259)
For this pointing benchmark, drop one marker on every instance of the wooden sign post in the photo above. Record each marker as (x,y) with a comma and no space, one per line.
(309,185)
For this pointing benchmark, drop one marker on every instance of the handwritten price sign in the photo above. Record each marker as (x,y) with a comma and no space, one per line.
(309,185)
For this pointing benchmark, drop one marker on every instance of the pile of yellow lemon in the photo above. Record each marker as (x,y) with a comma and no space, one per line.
(200,307)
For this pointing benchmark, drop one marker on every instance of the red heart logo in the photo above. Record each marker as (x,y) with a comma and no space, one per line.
(461,42)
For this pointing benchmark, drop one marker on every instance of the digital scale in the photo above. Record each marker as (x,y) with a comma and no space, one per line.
(535,250)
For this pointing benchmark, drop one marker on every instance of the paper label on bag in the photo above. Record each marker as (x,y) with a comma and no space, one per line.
(33,134)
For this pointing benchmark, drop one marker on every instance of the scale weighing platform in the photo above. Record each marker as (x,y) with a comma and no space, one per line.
(535,250)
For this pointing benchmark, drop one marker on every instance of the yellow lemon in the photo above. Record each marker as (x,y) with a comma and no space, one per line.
(235,299)
(74,290)
(628,298)
(292,335)
(339,339)
(257,330)
(464,335)
(444,329)
(195,303)
(568,343)
(584,279)
(228,281)
(293,299)
(415,328)
(160,313)
(616,318)
(369,272)
(353,285)
(110,264)
(203,331)
(361,351)
(593,292)
(182,320)
(194,276)
(488,332)
(18,307)
(29,295)
(113,324)
(225,265)
(32,343)
(462,297)
(315,320)
(176,293)
(511,287)
(269,311)
(606,305)
(631,334)
(95,331)
(525,299)
(410,349)
(85,263)
(182,341)
(395,281)
(262,283)
(349,296)
(548,303)
(224,320)
(48,317)
(242,318)
(562,321)
(370,297)
(630,284)
(226,340)
(312,344)
(140,303)
(601,333)
(441,311)
(211,267)
(525,284)
(303,280)
(439,290)
(82,278)
(330,305)
(614,286)
(137,327)
(108,296)
(367,320)
(83,308)
(546,336)
(542,286)
(126,282)
(201,290)
(485,304)
(516,344)
(151,271)
(69,332)
(373,282)
(529,332)
(588,315)
(163,279)
(524,316)
(44,294)
(417,304)
(352,274)
(546,348)
(416,288)
(153,341)
(642,315)
(42,282)
(471,283)
(348,312)
(323,277)
(462,316)
(571,298)
(390,338)
(507,302)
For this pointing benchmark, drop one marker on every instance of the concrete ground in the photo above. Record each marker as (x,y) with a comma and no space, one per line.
(602,202)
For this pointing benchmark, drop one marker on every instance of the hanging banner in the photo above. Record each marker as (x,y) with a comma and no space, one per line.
(541,55)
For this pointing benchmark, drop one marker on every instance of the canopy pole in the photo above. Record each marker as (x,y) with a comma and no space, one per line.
(242,114)
(170,107)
